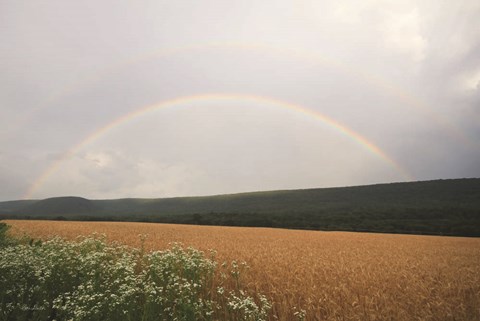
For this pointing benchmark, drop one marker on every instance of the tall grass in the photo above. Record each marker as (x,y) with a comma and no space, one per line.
(90,279)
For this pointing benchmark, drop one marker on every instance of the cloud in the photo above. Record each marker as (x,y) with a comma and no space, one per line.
(103,174)
(469,81)
(403,33)
(405,75)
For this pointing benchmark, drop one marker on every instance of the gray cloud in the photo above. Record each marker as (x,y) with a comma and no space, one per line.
(404,75)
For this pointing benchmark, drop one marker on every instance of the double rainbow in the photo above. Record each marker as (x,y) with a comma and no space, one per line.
(313,58)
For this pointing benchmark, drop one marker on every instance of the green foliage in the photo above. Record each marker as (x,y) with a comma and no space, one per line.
(92,280)
(5,239)
(3,233)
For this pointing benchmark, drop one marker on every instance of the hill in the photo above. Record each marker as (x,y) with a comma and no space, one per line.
(446,207)
(69,205)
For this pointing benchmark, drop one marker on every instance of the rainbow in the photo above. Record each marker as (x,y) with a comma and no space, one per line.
(305,56)
(332,124)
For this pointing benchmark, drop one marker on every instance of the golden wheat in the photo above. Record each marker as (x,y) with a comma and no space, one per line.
(331,275)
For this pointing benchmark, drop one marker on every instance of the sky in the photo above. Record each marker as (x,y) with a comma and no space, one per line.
(113,99)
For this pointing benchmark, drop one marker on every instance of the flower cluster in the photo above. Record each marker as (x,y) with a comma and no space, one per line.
(93,280)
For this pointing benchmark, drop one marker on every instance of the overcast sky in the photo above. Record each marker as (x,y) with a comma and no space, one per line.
(384,91)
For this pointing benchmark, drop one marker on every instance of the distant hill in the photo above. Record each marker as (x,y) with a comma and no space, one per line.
(447,207)
(69,205)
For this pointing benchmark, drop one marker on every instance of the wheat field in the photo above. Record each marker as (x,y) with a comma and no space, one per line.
(330,275)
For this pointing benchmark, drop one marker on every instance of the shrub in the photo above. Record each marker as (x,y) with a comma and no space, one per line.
(4,238)
(93,280)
